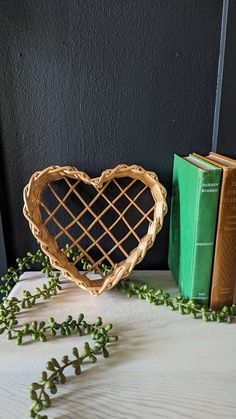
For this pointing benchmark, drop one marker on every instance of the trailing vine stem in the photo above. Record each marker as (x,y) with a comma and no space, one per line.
(40,330)
(24,264)
(9,308)
(31,259)
(184,306)
(39,391)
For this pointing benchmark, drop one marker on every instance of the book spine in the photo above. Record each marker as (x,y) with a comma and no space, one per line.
(224,267)
(174,231)
(205,230)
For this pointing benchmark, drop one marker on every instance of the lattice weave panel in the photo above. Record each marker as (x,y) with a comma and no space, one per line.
(111,220)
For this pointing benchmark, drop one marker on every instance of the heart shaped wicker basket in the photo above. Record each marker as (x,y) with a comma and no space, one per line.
(112,219)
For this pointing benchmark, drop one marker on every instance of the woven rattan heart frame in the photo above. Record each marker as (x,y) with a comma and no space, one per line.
(33,205)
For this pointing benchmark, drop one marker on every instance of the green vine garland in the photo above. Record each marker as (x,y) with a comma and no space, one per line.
(55,374)
(99,332)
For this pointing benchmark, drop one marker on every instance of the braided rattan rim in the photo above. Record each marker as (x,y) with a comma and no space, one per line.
(32,198)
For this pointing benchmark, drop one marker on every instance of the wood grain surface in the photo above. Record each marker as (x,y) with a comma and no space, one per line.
(163,366)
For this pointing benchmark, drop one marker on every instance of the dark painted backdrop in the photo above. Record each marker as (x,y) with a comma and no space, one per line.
(227,120)
(97,83)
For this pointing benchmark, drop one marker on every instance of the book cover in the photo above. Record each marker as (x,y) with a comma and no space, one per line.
(193,214)
(224,265)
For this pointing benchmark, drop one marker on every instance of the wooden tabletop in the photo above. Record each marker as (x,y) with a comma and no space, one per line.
(164,365)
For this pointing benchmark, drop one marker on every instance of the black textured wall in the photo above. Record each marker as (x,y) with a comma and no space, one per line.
(227,120)
(97,83)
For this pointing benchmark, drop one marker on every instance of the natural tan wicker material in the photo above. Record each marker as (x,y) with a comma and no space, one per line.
(33,204)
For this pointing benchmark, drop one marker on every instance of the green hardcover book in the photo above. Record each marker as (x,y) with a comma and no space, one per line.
(193,216)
